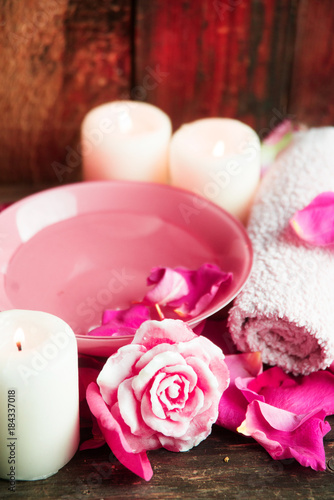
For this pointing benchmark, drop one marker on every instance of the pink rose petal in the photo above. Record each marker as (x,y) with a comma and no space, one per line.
(233,404)
(279,133)
(118,368)
(315,223)
(136,462)
(296,394)
(159,361)
(170,285)
(285,414)
(188,292)
(120,322)
(98,438)
(287,435)
(169,331)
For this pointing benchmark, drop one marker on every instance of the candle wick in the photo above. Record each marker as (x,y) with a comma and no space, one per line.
(19,346)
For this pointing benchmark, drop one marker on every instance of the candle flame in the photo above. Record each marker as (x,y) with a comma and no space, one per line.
(218,149)
(19,338)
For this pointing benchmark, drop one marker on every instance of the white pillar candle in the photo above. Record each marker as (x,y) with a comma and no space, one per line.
(39,402)
(219,159)
(125,140)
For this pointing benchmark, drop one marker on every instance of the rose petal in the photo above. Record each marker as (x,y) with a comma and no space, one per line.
(92,444)
(195,289)
(129,410)
(120,322)
(287,435)
(296,394)
(98,438)
(116,369)
(169,331)
(206,381)
(140,441)
(315,223)
(158,396)
(162,426)
(157,363)
(194,406)
(278,133)
(177,423)
(132,317)
(247,364)
(278,139)
(136,462)
(112,331)
(169,284)
(198,430)
(173,391)
(233,404)
(211,355)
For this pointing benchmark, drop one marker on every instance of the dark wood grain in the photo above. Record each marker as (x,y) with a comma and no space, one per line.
(198,474)
(59,58)
(312,91)
(215,58)
(255,60)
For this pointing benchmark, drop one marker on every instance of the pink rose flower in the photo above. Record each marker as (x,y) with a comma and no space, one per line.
(162,390)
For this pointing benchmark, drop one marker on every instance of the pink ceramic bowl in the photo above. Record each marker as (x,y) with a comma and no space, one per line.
(78,249)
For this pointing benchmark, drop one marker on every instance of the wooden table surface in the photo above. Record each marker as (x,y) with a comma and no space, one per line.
(200,473)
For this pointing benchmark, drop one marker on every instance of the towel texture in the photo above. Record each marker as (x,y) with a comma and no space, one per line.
(286,309)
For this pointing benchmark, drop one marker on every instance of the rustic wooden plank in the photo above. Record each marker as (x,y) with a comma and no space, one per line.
(59,58)
(200,473)
(215,58)
(312,91)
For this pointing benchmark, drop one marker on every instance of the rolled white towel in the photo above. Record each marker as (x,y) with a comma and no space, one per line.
(286,309)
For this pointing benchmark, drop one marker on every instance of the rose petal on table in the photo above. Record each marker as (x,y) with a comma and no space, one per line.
(136,462)
(194,289)
(120,322)
(287,435)
(315,223)
(233,403)
(296,394)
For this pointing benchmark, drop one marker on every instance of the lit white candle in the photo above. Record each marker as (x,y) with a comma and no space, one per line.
(39,402)
(218,158)
(125,140)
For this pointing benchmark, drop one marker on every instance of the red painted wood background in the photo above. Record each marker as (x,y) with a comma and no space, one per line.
(255,60)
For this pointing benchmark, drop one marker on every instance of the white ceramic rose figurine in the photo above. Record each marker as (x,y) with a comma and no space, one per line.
(162,390)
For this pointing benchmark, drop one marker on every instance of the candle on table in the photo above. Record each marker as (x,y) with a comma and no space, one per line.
(218,158)
(125,140)
(39,401)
